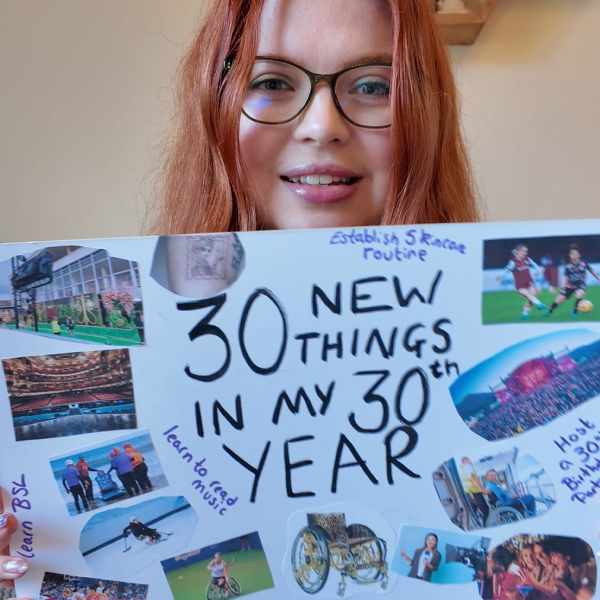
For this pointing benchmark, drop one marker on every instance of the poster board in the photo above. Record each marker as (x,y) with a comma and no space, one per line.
(327,413)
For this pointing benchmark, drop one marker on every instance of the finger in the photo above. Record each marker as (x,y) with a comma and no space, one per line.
(12,567)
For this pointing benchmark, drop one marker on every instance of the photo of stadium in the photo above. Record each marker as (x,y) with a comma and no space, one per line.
(235,567)
(529,384)
(541,280)
(73,293)
(57,395)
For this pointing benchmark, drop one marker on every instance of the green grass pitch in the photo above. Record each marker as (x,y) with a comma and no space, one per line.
(506,307)
(251,570)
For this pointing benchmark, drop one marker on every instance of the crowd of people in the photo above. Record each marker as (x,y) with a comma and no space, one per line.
(60,587)
(549,568)
(554,397)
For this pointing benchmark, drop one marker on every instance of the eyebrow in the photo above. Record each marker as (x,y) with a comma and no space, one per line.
(385,59)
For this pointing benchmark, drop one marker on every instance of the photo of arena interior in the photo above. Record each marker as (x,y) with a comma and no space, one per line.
(69,394)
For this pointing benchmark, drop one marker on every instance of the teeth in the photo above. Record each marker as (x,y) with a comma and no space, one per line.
(319,179)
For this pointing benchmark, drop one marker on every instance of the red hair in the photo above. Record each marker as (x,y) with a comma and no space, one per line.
(202,184)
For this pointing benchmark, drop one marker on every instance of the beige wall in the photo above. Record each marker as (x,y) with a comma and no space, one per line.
(84,94)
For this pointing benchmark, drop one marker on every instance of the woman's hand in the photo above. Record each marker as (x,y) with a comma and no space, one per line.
(11,567)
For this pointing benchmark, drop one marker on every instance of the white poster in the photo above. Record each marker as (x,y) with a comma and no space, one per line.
(409,412)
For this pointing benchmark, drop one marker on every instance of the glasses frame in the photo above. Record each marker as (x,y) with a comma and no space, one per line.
(315,79)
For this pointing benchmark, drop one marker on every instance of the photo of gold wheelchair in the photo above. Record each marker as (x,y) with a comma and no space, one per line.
(326,542)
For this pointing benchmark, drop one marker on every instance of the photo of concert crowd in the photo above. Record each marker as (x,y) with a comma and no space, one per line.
(529,384)
(96,476)
(64,587)
(529,567)
(57,395)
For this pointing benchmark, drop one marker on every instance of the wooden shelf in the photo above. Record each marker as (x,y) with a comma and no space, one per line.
(462,29)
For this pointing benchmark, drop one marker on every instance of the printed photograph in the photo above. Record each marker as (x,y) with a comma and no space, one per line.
(73,293)
(96,476)
(339,550)
(541,280)
(481,489)
(235,567)
(58,395)
(198,266)
(440,556)
(528,567)
(72,587)
(529,384)
(124,541)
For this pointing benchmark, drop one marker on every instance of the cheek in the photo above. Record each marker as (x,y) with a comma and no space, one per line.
(260,147)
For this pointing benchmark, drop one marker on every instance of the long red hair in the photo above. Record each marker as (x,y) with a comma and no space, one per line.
(201,186)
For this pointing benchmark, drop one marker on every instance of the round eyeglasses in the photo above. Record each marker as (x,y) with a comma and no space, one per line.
(280,90)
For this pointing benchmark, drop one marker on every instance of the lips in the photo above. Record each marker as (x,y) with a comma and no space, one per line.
(321,184)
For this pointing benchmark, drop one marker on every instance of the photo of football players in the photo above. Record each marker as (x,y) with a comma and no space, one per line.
(520,267)
(574,283)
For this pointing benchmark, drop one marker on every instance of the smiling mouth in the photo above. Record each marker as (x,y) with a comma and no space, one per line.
(321,180)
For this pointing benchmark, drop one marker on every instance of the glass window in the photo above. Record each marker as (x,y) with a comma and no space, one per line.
(86,267)
(123,279)
(119,264)
(90,287)
(75,274)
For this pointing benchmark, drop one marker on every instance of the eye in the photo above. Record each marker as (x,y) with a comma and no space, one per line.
(372,87)
(270,84)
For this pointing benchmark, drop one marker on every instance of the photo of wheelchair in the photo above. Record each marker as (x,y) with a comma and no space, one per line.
(468,488)
(214,592)
(326,542)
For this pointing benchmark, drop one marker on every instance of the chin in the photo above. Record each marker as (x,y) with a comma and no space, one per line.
(321,220)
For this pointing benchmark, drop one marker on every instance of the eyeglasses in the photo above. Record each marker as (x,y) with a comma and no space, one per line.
(280,90)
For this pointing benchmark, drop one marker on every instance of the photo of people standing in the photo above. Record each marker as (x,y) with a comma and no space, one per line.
(97,476)
(536,567)
(521,278)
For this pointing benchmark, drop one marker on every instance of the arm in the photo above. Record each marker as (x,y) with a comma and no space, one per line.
(405,556)
(534,266)
(210,565)
(435,562)
(197,269)
(593,272)
(508,270)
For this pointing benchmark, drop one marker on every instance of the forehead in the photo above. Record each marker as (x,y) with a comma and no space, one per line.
(325,36)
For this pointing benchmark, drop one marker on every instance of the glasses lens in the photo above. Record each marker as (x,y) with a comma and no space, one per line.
(363,94)
(277,91)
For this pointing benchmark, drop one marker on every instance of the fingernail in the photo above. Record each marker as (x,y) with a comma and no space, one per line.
(3,519)
(15,566)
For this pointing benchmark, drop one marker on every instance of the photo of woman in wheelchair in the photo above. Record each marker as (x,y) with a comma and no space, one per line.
(221,584)
(493,490)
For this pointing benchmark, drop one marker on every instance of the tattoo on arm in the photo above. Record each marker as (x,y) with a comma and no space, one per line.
(205,257)
(238,253)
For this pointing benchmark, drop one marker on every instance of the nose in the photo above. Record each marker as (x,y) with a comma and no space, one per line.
(321,122)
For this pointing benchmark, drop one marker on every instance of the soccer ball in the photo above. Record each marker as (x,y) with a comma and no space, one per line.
(585,306)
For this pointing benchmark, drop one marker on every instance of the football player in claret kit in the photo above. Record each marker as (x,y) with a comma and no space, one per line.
(520,267)
(573,281)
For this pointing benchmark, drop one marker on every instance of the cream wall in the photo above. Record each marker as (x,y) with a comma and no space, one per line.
(84,96)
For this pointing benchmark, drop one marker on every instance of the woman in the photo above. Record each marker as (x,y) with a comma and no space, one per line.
(426,559)
(555,582)
(263,143)
(573,281)
(520,266)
